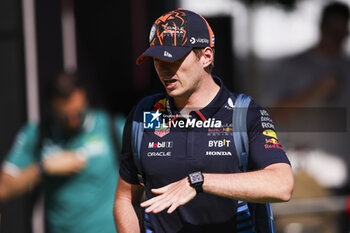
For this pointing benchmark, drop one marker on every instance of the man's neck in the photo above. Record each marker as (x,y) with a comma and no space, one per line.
(327,51)
(200,98)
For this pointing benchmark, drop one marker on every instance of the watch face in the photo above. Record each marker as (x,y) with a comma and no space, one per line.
(196,177)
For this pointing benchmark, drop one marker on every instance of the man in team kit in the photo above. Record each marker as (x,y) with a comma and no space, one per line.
(179,146)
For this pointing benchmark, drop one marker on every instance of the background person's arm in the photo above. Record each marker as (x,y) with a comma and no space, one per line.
(127,207)
(19,181)
(64,163)
(15,185)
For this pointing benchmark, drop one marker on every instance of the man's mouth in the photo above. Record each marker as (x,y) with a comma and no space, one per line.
(169,83)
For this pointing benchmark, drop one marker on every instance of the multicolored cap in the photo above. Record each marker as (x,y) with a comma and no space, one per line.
(175,33)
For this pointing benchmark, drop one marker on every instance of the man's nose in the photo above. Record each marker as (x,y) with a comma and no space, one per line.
(163,66)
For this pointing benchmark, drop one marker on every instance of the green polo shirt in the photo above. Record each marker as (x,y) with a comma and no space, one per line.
(81,203)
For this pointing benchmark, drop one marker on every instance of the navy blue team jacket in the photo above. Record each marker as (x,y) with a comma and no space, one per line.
(170,154)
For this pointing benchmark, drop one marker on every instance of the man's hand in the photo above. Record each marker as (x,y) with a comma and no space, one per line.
(170,196)
(64,163)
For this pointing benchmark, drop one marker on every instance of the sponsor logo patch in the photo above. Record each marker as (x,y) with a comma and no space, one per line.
(229,105)
(272,143)
(222,131)
(192,40)
(266,118)
(263,112)
(270,133)
(152,32)
(271,140)
(202,40)
(199,40)
(167,144)
(276,146)
(158,154)
(267,125)
(167,54)
(219,143)
(218,153)
(162,131)
(160,105)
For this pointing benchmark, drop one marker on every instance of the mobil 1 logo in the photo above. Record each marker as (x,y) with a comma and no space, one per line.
(166,144)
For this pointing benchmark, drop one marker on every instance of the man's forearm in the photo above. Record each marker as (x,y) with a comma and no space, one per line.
(273,184)
(125,217)
(11,186)
(127,210)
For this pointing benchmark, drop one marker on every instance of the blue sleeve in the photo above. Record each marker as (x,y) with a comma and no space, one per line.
(264,146)
(22,154)
(128,170)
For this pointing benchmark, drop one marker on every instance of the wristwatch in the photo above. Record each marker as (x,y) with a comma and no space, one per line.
(196,180)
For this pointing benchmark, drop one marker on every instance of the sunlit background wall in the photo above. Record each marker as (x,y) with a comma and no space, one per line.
(267,30)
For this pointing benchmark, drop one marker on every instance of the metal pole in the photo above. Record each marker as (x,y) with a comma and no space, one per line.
(31,66)
(68,36)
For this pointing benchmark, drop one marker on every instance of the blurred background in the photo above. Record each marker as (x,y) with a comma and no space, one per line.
(257,43)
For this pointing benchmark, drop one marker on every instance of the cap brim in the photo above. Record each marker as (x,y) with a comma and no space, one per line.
(164,53)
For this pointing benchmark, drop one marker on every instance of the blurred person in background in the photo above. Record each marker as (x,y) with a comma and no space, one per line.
(318,79)
(73,153)
(318,76)
(308,86)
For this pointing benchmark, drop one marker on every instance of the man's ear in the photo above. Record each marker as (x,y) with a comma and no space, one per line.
(207,57)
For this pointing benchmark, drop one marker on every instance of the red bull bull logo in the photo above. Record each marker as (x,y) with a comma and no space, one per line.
(160,105)
(272,141)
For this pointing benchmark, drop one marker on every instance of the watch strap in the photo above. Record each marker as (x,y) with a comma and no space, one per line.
(198,188)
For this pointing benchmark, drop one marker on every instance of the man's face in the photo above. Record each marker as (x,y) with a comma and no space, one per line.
(335,31)
(180,78)
(70,111)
